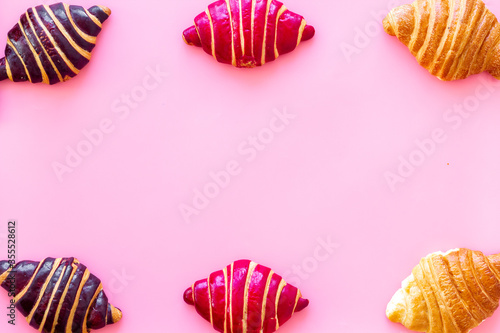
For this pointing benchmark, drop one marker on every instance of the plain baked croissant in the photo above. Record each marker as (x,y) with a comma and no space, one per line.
(247,33)
(58,295)
(51,44)
(448,292)
(245,297)
(452,39)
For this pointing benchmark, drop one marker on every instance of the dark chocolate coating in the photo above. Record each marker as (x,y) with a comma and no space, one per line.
(51,44)
(58,293)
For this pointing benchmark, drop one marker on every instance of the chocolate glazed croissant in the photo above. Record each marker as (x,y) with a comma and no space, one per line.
(58,295)
(51,44)
(448,292)
(245,297)
(452,39)
(247,33)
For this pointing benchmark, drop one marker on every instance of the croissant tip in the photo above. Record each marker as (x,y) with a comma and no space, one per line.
(388,26)
(190,36)
(116,314)
(106,10)
(308,33)
(301,304)
(188,296)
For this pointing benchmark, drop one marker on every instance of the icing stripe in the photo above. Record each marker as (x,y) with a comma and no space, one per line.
(264,303)
(86,37)
(58,49)
(210,301)
(212,33)
(78,48)
(9,72)
(251,269)
(224,271)
(233,53)
(4,276)
(21,294)
(61,301)
(263,60)
(93,18)
(9,43)
(55,266)
(75,303)
(242,36)
(253,26)
(278,295)
(59,76)
(56,288)
(301,31)
(280,12)
(45,78)
(98,290)
(231,300)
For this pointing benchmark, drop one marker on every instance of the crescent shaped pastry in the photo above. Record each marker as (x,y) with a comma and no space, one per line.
(247,33)
(452,39)
(245,297)
(51,44)
(58,295)
(448,292)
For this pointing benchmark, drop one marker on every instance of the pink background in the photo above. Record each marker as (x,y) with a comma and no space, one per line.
(321,178)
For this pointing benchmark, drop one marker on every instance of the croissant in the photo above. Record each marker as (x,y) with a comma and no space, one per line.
(58,295)
(448,292)
(245,297)
(451,39)
(247,33)
(51,44)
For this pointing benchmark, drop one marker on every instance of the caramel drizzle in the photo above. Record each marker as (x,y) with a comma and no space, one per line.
(78,48)
(58,49)
(98,290)
(55,266)
(233,52)
(61,301)
(251,269)
(69,324)
(45,78)
(56,288)
(268,8)
(86,37)
(20,58)
(59,76)
(264,303)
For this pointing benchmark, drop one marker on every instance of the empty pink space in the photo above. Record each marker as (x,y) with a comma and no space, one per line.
(339,166)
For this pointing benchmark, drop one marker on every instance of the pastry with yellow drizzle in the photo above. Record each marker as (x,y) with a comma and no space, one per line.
(58,295)
(452,39)
(247,33)
(449,292)
(51,44)
(245,297)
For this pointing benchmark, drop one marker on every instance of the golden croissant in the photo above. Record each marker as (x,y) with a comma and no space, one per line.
(247,33)
(452,39)
(245,297)
(57,295)
(51,44)
(448,292)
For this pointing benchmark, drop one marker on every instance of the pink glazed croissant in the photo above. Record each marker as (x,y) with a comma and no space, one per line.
(245,297)
(247,33)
